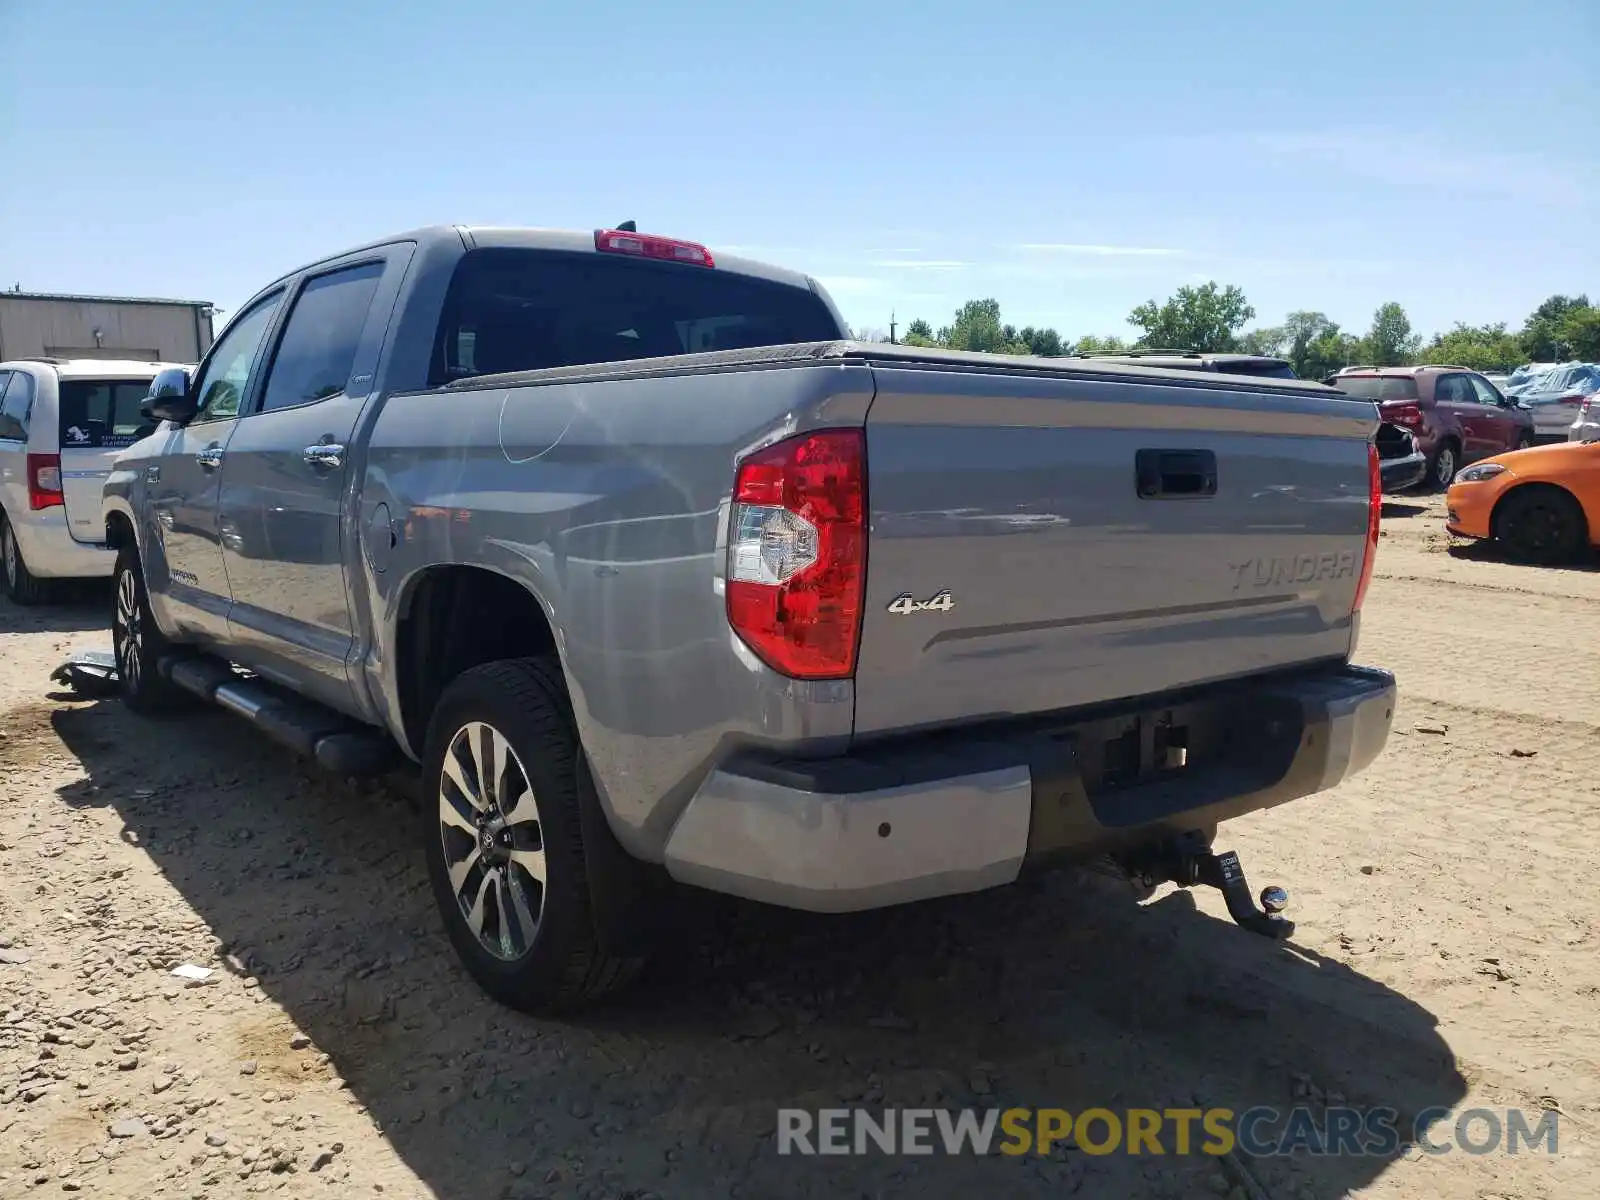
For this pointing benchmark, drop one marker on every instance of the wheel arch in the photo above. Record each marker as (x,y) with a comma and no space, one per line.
(452,617)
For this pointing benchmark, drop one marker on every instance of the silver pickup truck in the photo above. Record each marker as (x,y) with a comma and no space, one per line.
(660,579)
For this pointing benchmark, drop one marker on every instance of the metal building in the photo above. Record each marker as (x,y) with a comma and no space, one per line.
(44,324)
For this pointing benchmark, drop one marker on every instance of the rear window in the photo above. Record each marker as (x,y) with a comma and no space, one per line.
(102,413)
(1265,370)
(1378,387)
(522,310)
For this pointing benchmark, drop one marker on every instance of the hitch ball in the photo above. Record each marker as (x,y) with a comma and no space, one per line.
(1274,899)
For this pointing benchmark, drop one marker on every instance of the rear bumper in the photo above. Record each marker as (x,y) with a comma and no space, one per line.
(51,552)
(1401,473)
(923,818)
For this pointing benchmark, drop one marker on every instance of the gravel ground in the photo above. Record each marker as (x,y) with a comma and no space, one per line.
(1446,955)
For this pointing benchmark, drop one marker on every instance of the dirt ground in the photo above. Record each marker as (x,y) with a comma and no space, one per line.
(1448,954)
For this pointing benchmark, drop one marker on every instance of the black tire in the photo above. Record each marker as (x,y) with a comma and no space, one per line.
(1443,464)
(1540,525)
(558,964)
(137,643)
(20,584)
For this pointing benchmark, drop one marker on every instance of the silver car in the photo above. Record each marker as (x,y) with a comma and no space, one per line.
(1556,396)
(61,423)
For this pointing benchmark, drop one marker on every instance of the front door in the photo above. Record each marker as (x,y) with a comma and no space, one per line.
(183,555)
(284,493)
(1500,431)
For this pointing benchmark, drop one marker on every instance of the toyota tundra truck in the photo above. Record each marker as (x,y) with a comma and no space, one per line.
(662,581)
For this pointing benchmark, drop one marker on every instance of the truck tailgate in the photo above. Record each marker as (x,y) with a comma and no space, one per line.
(1044,542)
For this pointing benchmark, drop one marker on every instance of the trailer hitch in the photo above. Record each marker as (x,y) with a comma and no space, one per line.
(1188,861)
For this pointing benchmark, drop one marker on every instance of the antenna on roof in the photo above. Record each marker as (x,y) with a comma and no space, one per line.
(628,227)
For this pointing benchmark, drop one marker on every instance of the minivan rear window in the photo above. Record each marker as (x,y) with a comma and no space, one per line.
(522,310)
(1378,387)
(102,413)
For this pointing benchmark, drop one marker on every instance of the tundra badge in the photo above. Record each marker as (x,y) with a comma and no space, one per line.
(904,604)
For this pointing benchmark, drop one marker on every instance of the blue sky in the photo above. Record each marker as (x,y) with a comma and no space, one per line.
(1070,160)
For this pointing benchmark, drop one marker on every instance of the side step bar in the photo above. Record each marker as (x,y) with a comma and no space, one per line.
(333,741)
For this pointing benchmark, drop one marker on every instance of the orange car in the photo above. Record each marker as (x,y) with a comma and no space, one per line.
(1542,504)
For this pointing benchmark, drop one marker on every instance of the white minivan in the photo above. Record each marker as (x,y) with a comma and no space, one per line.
(62,421)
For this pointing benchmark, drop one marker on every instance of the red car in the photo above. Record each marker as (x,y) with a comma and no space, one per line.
(1456,415)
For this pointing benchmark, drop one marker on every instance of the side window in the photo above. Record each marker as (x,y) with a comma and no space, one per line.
(320,338)
(1486,393)
(1453,389)
(10,427)
(16,404)
(222,383)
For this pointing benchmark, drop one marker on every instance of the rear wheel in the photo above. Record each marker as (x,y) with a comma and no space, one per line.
(1541,525)
(505,841)
(21,584)
(1442,466)
(136,642)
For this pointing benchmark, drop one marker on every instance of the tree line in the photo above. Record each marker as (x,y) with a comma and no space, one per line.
(1212,317)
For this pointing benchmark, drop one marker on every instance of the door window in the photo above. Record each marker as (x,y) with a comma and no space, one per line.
(1486,394)
(319,341)
(226,375)
(1453,389)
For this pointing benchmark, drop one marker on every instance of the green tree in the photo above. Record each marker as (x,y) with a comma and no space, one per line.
(1544,335)
(1089,344)
(977,326)
(1480,347)
(919,333)
(1044,342)
(1195,318)
(1390,342)
(1581,332)
(1331,350)
(1269,341)
(1302,330)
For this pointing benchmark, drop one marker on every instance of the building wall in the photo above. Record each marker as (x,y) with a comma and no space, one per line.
(33,326)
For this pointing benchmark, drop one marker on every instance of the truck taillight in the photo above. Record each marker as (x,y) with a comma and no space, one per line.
(1572,401)
(797,545)
(1374,508)
(44,481)
(1409,415)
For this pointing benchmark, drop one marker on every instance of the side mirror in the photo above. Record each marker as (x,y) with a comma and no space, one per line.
(170,398)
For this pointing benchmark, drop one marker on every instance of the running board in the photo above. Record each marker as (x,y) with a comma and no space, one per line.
(330,739)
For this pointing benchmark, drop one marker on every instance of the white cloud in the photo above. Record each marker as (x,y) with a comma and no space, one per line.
(1097,250)
(922,264)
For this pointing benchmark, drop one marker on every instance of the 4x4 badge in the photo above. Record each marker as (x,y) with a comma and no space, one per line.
(904,604)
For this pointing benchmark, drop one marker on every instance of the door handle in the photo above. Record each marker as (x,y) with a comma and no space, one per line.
(210,458)
(324,454)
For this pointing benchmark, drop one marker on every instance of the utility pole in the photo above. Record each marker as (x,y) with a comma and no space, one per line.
(891,327)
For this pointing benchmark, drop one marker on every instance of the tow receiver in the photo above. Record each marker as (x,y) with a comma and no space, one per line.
(1187,860)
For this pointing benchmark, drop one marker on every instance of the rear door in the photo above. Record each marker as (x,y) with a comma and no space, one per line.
(97,417)
(284,497)
(1455,405)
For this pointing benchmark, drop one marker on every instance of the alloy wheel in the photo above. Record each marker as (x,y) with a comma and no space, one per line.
(1445,466)
(129,633)
(493,840)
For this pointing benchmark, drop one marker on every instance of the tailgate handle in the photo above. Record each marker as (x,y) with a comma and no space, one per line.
(1176,474)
